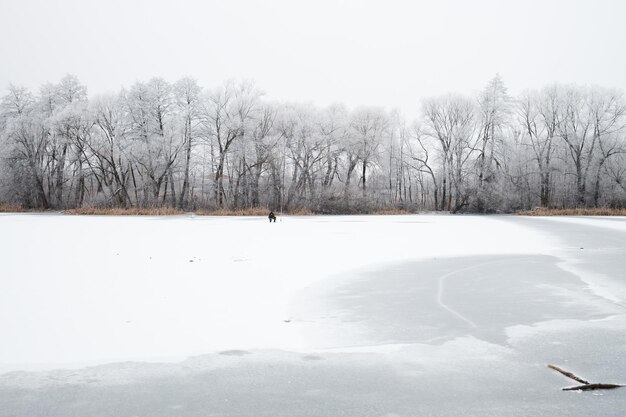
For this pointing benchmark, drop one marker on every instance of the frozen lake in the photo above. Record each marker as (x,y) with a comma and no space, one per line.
(311,316)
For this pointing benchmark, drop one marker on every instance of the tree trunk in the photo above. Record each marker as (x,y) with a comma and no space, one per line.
(184,192)
(219,185)
(364,186)
(580,185)
(60,171)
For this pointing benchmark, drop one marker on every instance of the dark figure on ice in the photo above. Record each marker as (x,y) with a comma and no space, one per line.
(272,217)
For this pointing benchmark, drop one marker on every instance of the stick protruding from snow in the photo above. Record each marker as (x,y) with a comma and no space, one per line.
(587,386)
(568,374)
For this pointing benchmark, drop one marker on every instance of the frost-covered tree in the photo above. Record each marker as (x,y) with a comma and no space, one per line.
(451,122)
(187,99)
(369,125)
(227,111)
(494,107)
(178,145)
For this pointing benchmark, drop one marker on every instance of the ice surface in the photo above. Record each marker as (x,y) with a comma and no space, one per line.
(348,315)
(101,289)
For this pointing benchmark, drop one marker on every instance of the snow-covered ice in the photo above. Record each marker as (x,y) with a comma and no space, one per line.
(346,315)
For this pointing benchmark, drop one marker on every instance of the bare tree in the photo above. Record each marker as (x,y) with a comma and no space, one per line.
(187,95)
(494,109)
(368,125)
(450,120)
(537,114)
(423,162)
(226,112)
(163,144)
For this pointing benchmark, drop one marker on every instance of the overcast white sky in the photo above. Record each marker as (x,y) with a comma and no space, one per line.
(387,53)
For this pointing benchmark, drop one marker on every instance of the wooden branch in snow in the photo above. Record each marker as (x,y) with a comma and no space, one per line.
(568,374)
(591,387)
(587,386)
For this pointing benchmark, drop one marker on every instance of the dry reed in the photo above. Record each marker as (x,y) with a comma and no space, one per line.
(151,211)
(600,211)
(254,211)
(391,212)
(12,208)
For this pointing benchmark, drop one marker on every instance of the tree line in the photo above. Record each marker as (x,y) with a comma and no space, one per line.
(161,144)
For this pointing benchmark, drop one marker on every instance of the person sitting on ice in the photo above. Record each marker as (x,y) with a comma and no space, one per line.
(272,217)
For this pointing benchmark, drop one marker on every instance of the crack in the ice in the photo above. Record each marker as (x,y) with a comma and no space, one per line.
(458,271)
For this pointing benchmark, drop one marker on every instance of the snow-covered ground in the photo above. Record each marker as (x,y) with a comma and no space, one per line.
(347,315)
